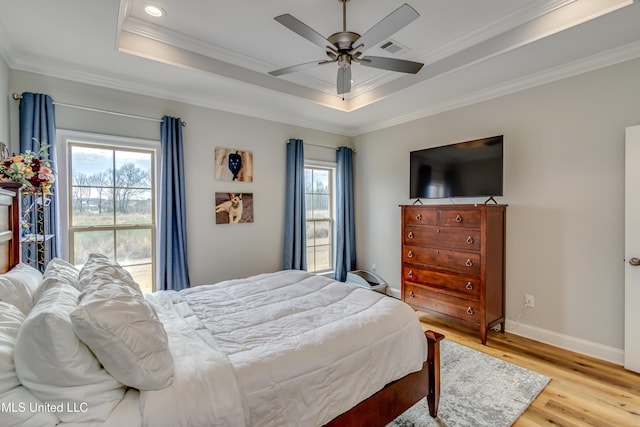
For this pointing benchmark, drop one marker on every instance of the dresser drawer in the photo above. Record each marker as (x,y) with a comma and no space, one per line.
(460,218)
(460,308)
(416,215)
(443,237)
(464,286)
(460,262)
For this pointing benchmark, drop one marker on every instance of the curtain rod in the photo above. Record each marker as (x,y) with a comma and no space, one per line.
(324,146)
(17,97)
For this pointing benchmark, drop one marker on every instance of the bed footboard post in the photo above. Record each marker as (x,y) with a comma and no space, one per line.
(433,361)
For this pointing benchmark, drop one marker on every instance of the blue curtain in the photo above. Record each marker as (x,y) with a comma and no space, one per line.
(38,127)
(295,254)
(345,224)
(172,265)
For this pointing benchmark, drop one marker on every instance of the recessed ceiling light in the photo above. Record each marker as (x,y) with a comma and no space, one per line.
(154,11)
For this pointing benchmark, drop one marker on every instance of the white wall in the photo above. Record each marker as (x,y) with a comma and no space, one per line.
(564,170)
(563,183)
(4,101)
(216,252)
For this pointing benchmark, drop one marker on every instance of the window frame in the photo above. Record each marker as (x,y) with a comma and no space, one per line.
(68,138)
(331,167)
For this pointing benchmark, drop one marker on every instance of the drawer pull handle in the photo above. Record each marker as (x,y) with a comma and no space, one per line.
(410,254)
(410,235)
(469,311)
(458,218)
(469,263)
(412,295)
(470,240)
(469,286)
(438,230)
(410,273)
(419,217)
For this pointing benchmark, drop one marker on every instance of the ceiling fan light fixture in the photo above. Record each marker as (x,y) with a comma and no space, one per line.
(345,47)
(154,11)
(344,61)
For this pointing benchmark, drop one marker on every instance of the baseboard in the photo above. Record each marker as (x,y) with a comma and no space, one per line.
(578,345)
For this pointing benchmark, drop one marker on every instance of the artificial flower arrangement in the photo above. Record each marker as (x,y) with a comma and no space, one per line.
(32,170)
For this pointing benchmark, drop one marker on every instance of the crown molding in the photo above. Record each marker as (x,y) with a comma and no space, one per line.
(92,77)
(529,12)
(6,48)
(163,35)
(155,32)
(614,56)
(285,90)
(142,28)
(140,87)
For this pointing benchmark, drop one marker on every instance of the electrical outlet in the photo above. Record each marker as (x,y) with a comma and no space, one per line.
(373,267)
(529,301)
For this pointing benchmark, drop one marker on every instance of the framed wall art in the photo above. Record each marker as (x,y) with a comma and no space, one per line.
(234,208)
(233,165)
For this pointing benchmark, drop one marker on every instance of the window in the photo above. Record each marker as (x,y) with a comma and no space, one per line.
(111,192)
(318,188)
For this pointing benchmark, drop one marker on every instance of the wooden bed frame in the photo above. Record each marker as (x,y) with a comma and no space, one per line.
(398,396)
(9,226)
(378,410)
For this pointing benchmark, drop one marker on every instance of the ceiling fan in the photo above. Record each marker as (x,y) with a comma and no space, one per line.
(346,47)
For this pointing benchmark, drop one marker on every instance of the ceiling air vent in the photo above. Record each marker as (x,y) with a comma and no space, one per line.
(393,47)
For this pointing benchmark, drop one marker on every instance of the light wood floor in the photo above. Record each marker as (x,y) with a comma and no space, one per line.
(583,391)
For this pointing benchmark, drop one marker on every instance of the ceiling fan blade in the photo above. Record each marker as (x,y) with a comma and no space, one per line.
(391,64)
(298,67)
(344,80)
(302,29)
(390,24)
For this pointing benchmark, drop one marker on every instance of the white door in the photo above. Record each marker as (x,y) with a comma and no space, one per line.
(632,250)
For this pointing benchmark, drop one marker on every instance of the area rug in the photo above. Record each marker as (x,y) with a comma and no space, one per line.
(476,390)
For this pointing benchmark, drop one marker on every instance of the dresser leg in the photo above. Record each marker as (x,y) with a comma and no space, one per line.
(483,334)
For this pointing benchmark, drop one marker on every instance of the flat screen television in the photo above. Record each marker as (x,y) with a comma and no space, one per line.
(466,169)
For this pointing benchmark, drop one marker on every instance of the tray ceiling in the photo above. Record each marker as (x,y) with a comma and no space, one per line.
(218,54)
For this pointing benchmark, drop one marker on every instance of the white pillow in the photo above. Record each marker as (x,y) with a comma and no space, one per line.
(16,295)
(99,265)
(17,402)
(57,367)
(58,272)
(18,285)
(125,334)
(26,275)
(23,409)
(10,321)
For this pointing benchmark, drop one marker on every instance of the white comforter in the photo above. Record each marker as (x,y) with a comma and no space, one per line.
(279,349)
(204,391)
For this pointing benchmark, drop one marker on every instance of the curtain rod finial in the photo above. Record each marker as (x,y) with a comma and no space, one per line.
(16,96)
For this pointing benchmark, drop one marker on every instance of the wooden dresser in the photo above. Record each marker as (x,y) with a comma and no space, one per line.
(453,261)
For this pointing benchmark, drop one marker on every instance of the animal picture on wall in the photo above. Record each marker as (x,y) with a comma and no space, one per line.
(233,164)
(234,208)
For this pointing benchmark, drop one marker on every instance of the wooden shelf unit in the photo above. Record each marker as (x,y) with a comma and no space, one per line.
(37,215)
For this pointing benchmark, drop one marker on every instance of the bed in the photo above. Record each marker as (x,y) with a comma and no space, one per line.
(281,348)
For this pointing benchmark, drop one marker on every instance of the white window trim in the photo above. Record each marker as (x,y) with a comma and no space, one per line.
(62,149)
(334,167)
